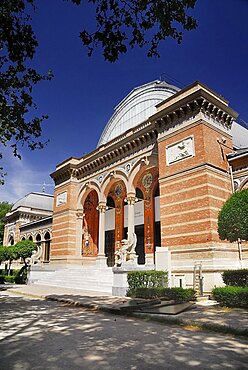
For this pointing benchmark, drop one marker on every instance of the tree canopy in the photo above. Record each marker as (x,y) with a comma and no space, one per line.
(123,24)
(120,24)
(233,217)
(5,207)
(24,249)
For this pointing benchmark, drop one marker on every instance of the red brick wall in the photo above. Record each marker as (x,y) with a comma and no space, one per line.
(191,194)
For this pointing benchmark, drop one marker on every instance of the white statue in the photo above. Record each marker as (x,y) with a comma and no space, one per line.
(127,250)
(36,255)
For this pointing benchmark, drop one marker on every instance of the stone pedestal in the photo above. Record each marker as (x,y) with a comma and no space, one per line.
(120,284)
(163,261)
(150,260)
(101,261)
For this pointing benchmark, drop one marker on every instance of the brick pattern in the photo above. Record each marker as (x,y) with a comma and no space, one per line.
(190,201)
(64,223)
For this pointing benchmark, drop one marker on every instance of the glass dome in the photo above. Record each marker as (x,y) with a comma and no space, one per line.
(135,108)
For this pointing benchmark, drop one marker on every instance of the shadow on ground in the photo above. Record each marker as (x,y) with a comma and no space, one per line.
(39,334)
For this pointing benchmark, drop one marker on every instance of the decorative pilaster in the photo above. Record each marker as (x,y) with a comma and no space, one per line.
(131,199)
(101,259)
(131,202)
(79,229)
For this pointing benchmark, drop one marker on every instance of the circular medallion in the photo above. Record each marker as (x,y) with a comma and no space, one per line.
(118,190)
(147,180)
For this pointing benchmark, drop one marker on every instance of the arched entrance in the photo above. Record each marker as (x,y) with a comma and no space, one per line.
(114,231)
(147,232)
(90,225)
(47,244)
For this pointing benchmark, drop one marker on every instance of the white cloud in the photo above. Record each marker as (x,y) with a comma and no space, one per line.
(22,178)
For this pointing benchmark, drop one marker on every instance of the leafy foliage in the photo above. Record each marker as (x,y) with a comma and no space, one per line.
(18,124)
(24,249)
(120,24)
(231,296)
(4,256)
(233,217)
(5,207)
(146,279)
(130,23)
(236,277)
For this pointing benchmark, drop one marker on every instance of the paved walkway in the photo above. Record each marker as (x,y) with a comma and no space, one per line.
(204,314)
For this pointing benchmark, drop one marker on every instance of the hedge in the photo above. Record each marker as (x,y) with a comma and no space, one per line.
(231,296)
(9,279)
(177,294)
(236,277)
(16,276)
(146,279)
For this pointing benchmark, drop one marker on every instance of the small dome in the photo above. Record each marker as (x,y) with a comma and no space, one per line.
(40,201)
(136,107)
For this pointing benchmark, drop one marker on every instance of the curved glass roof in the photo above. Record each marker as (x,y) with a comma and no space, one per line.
(135,108)
(35,201)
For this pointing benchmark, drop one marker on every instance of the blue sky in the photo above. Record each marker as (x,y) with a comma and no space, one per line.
(81,97)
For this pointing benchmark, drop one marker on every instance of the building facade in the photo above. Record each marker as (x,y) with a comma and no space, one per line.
(31,218)
(163,168)
(164,179)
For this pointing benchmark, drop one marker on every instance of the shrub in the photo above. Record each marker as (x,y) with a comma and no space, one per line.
(21,276)
(177,294)
(233,217)
(148,293)
(146,279)
(236,277)
(9,279)
(2,279)
(180,294)
(231,296)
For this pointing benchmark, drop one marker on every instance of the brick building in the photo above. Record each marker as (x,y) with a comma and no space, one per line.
(163,168)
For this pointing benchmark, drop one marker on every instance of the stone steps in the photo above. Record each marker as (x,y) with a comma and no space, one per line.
(91,279)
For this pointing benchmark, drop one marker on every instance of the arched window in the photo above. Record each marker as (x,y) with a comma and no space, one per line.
(11,240)
(110,202)
(38,239)
(139,194)
(47,238)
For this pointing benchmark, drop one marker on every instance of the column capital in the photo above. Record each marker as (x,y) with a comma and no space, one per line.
(102,207)
(80,213)
(131,199)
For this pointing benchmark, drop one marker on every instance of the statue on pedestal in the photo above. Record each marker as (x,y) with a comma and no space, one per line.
(126,253)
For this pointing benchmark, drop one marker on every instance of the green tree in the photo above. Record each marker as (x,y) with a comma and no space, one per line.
(5,207)
(233,218)
(3,254)
(123,24)
(120,24)
(24,249)
(18,123)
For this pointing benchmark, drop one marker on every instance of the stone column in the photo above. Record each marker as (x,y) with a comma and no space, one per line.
(101,260)
(130,214)
(79,229)
(130,224)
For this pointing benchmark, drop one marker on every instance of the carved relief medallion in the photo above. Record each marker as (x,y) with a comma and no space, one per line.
(61,198)
(180,150)
(118,190)
(147,180)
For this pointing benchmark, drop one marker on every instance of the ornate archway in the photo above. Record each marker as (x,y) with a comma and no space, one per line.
(115,209)
(146,184)
(90,225)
